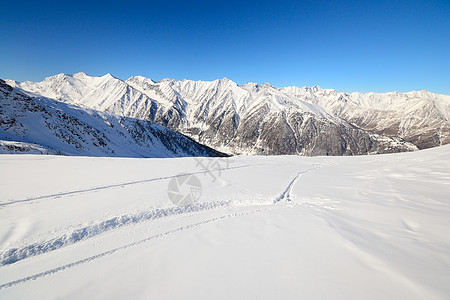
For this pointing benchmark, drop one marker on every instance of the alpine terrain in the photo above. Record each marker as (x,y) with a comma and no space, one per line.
(31,125)
(262,119)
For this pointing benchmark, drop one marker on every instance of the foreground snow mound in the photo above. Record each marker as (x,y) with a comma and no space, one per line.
(45,126)
(283,227)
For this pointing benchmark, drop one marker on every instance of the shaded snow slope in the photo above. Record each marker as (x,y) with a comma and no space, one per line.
(273,227)
(30,125)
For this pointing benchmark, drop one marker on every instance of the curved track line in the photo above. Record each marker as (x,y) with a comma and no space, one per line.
(115,250)
(13,255)
(286,194)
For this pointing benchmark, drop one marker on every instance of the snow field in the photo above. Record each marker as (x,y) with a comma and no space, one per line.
(287,227)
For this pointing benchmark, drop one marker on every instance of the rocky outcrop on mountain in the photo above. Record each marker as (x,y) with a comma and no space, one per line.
(30,125)
(262,119)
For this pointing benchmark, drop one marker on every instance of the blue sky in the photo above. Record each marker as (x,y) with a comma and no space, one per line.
(346,45)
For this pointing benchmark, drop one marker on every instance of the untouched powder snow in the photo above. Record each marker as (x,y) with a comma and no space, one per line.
(284,227)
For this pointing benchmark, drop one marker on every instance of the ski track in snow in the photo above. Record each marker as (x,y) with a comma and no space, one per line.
(16,254)
(13,255)
(115,250)
(389,228)
(285,196)
(100,188)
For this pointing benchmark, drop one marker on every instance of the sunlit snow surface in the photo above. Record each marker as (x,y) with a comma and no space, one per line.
(286,227)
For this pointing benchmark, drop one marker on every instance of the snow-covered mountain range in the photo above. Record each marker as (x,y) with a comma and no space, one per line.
(262,119)
(31,125)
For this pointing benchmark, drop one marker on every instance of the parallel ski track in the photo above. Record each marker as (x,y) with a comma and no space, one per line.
(13,255)
(115,250)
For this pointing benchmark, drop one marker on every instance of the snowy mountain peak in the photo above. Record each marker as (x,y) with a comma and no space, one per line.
(108,75)
(316,88)
(140,79)
(225,80)
(251,87)
(166,80)
(267,85)
(80,74)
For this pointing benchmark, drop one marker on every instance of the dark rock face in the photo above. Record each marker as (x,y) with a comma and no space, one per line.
(279,133)
(295,134)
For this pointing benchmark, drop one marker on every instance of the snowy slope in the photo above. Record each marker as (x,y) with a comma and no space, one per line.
(273,227)
(262,119)
(30,125)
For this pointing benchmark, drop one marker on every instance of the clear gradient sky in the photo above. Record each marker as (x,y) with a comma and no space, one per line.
(345,45)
